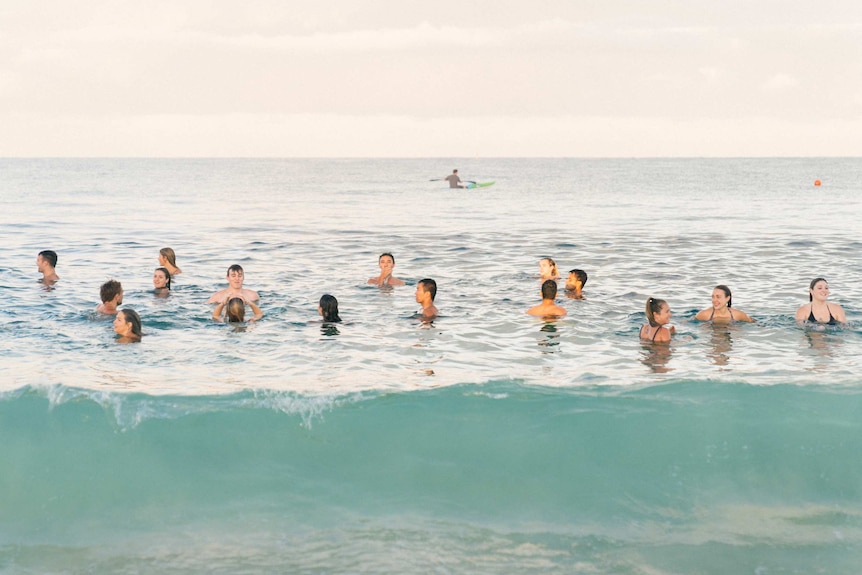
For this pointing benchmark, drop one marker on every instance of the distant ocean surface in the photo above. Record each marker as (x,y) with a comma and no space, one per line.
(488,442)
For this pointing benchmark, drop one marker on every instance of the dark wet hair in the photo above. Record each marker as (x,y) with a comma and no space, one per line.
(109,290)
(549,289)
(235,310)
(169,255)
(581,275)
(235,268)
(50,256)
(167,275)
(813,283)
(132,317)
(653,306)
(726,291)
(329,305)
(387,254)
(430,286)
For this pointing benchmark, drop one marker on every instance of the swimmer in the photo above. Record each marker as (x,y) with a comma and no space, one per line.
(168,259)
(162,282)
(328,309)
(111,294)
(721,311)
(426,291)
(548,308)
(386,262)
(127,325)
(548,269)
(658,314)
(575,283)
(46,261)
(819,310)
(235,277)
(234,310)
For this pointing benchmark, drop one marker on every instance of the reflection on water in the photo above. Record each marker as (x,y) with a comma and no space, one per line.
(329,329)
(720,343)
(824,343)
(656,356)
(550,339)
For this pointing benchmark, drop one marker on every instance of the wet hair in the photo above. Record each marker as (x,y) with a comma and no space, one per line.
(813,283)
(430,286)
(169,255)
(235,310)
(386,254)
(554,271)
(549,289)
(653,306)
(726,291)
(50,256)
(132,317)
(109,290)
(329,306)
(167,276)
(581,275)
(235,268)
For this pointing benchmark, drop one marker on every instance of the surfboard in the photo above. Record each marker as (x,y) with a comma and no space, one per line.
(472,185)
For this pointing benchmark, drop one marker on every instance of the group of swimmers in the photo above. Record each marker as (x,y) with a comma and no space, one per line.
(231,302)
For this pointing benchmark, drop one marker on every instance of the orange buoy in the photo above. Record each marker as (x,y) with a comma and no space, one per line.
(816,182)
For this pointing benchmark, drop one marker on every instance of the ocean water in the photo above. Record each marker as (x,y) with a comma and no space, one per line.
(487,442)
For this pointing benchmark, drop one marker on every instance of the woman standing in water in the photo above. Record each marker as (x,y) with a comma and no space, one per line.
(162,282)
(819,310)
(548,269)
(658,315)
(721,311)
(127,325)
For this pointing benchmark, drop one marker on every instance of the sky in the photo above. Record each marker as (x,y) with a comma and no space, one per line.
(383,78)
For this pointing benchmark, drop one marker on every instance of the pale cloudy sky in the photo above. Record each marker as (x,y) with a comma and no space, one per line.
(598,78)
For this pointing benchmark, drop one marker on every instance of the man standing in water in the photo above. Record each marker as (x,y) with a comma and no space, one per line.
(426,291)
(548,308)
(46,261)
(235,277)
(454,180)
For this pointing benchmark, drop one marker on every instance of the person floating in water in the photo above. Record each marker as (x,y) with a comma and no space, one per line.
(328,309)
(111,294)
(454,180)
(721,311)
(234,310)
(819,310)
(46,261)
(235,278)
(386,263)
(575,283)
(426,291)
(168,259)
(658,315)
(127,325)
(548,308)
(162,282)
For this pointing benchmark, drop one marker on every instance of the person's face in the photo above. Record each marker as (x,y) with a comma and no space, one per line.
(120,298)
(719,298)
(573,283)
(159,279)
(545,267)
(663,316)
(40,262)
(235,279)
(820,291)
(121,326)
(386,264)
(162,260)
(420,293)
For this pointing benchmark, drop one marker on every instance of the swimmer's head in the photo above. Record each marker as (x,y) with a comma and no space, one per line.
(429,286)
(811,286)
(50,257)
(111,289)
(169,256)
(235,310)
(655,307)
(548,267)
(131,317)
(162,278)
(549,289)
(328,307)
(576,276)
(727,295)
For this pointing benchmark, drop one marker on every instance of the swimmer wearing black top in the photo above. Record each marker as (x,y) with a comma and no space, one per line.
(721,311)
(658,315)
(819,311)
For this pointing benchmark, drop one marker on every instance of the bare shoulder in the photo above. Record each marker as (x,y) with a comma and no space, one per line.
(802,312)
(395,282)
(838,312)
(703,315)
(250,294)
(740,315)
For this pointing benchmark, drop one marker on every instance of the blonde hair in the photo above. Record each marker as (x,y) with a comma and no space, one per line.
(169,255)
(553,264)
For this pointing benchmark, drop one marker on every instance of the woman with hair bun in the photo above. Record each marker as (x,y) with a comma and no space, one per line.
(658,315)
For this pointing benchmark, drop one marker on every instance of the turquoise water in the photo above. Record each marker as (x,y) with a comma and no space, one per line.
(490,442)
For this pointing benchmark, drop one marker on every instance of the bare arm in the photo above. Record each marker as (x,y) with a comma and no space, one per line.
(254,308)
(802,312)
(217,311)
